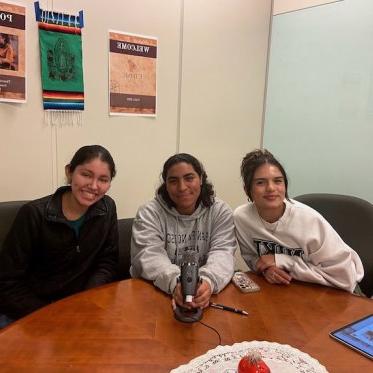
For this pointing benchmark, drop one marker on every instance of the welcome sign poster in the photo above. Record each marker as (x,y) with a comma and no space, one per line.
(132,74)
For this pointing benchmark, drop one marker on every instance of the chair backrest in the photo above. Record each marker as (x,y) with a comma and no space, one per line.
(125,234)
(352,218)
(8,212)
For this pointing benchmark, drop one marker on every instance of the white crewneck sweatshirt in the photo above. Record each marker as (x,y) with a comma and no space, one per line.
(304,244)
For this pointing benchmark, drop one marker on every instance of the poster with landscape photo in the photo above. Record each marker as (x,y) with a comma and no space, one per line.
(12,52)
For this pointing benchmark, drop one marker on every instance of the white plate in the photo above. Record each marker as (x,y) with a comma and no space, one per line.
(280,359)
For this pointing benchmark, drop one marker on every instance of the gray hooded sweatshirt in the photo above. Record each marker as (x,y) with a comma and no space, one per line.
(160,237)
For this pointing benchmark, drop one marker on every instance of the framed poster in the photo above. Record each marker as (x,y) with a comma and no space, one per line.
(12,52)
(132,74)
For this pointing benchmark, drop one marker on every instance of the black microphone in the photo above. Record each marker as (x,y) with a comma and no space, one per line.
(189,276)
(189,280)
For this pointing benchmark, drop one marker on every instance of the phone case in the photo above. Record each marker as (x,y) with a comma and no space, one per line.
(244,283)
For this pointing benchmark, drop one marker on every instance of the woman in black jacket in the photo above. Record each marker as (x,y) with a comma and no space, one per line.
(63,243)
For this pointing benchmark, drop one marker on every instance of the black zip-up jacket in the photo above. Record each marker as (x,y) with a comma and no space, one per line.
(43,260)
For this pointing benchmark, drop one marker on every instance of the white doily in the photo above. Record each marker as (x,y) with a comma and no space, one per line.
(279,358)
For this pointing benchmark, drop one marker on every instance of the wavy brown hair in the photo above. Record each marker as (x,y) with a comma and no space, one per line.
(252,161)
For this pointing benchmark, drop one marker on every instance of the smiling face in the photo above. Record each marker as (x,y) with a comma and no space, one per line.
(268,192)
(89,182)
(183,185)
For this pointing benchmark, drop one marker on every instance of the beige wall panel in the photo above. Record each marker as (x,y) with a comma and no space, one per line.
(26,143)
(139,145)
(285,6)
(224,69)
(26,155)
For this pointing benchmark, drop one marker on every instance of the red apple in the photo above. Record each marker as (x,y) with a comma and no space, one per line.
(252,363)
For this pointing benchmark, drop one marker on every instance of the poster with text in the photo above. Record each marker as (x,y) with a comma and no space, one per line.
(132,74)
(12,52)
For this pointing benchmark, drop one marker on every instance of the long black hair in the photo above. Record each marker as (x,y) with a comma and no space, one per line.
(90,152)
(206,196)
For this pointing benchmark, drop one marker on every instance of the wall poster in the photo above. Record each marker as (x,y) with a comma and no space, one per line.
(132,74)
(12,53)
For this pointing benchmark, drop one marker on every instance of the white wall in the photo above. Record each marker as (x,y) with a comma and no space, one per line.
(320,92)
(224,67)
(211,108)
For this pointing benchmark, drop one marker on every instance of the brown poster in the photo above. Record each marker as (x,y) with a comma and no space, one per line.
(12,52)
(132,74)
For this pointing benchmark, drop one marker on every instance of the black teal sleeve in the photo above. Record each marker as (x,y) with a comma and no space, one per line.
(106,261)
(16,298)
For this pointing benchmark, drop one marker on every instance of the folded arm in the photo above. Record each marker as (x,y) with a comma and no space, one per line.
(219,266)
(329,261)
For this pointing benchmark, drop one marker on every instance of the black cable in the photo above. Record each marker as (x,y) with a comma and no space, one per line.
(210,327)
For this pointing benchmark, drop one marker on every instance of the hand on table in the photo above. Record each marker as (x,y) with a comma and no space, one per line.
(276,275)
(264,262)
(266,265)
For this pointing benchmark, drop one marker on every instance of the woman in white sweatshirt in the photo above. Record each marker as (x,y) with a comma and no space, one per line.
(184,217)
(284,239)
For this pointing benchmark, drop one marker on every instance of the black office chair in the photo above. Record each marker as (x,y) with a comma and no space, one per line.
(352,218)
(8,212)
(125,234)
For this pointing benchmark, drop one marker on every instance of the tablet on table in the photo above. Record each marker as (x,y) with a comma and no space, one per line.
(358,335)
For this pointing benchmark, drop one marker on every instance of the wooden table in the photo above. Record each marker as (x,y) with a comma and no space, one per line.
(129,326)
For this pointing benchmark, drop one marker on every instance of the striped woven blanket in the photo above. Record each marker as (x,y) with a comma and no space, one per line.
(61,67)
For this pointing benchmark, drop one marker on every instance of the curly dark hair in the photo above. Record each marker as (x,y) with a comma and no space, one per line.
(252,161)
(207,194)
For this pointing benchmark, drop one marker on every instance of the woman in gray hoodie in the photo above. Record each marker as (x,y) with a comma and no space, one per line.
(184,217)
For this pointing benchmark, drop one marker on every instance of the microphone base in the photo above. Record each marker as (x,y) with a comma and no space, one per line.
(185,315)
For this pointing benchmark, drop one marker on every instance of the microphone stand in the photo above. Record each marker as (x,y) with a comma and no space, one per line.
(187,315)
(189,280)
